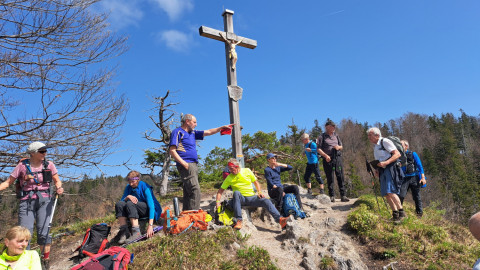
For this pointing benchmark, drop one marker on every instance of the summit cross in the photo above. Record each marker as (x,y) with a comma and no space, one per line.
(231,40)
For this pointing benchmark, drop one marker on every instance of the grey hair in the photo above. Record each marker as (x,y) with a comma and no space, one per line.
(405,142)
(186,117)
(305,136)
(375,131)
(234,161)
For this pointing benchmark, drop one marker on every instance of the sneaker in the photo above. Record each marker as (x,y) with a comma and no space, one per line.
(332,199)
(345,199)
(45,264)
(283,221)
(238,225)
(133,237)
(309,191)
(322,191)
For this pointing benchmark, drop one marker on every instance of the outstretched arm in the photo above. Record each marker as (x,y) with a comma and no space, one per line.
(216,130)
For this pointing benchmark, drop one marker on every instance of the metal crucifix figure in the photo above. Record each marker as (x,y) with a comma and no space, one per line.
(234,91)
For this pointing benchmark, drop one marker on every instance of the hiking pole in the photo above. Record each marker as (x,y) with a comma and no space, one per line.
(50,223)
(369,169)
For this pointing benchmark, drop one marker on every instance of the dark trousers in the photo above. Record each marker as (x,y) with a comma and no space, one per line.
(336,168)
(239,200)
(312,168)
(412,183)
(277,194)
(129,209)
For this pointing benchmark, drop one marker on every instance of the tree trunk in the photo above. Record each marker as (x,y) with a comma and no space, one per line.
(163,185)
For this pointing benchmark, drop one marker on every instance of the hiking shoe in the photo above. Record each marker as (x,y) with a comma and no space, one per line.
(401,214)
(322,191)
(332,199)
(283,221)
(419,215)
(45,264)
(345,199)
(133,237)
(395,216)
(309,191)
(238,225)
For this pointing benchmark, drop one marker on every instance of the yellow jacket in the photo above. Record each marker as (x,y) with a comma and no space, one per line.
(28,261)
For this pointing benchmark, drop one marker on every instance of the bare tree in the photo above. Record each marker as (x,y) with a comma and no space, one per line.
(163,121)
(54,83)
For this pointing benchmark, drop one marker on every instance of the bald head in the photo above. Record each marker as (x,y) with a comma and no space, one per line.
(474,225)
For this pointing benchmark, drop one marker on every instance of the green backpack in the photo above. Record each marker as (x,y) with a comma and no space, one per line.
(224,215)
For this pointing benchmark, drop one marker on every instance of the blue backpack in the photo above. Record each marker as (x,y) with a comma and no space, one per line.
(290,207)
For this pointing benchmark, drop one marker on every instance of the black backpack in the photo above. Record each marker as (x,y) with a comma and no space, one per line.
(94,241)
(399,146)
(410,167)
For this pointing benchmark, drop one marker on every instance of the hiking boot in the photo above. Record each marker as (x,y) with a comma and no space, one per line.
(332,199)
(121,236)
(345,199)
(238,225)
(395,216)
(419,215)
(322,191)
(283,222)
(401,214)
(133,237)
(309,191)
(45,264)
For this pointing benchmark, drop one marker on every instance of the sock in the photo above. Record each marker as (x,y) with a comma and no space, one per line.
(135,229)
(45,255)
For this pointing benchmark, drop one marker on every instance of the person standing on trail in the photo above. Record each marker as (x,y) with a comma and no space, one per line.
(241,179)
(414,178)
(35,176)
(329,147)
(276,190)
(312,163)
(138,201)
(183,149)
(390,174)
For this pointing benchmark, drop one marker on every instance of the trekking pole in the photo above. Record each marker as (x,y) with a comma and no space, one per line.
(369,169)
(50,223)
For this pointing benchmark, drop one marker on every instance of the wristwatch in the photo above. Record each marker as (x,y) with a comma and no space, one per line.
(150,225)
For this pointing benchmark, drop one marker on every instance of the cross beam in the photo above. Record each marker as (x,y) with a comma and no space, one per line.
(231,40)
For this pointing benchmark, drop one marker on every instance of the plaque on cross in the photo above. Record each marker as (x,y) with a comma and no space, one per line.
(231,41)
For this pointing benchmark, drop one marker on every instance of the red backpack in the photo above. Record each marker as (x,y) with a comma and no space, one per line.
(114,258)
(94,241)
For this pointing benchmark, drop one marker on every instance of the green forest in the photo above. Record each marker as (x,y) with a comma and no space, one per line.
(447,145)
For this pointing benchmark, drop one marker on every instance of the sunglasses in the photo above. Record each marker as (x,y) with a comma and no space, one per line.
(42,152)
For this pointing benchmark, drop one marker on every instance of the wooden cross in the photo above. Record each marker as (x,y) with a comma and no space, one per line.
(231,40)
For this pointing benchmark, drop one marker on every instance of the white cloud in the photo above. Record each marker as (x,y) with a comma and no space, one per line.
(175,40)
(122,13)
(174,8)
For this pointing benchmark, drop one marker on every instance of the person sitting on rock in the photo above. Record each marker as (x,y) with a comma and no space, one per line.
(474,226)
(241,179)
(137,202)
(276,190)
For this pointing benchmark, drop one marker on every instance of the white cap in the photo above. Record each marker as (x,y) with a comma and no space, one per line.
(35,147)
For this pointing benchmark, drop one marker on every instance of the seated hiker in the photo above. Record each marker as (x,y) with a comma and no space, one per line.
(241,180)
(474,226)
(276,190)
(137,202)
(14,255)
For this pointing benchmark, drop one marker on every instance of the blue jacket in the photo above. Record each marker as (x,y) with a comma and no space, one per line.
(144,193)
(418,166)
(273,176)
(312,157)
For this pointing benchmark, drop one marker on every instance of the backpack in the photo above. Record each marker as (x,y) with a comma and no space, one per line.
(398,145)
(290,207)
(94,241)
(187,220)
(20,185)
(224,215)
(410,166)
(114,258)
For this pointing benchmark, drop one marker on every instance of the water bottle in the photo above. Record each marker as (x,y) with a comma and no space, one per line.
(175,207)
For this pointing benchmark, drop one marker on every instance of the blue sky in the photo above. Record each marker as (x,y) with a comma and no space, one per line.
(370,61)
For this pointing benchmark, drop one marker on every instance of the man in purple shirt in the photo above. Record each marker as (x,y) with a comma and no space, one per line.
(183,149)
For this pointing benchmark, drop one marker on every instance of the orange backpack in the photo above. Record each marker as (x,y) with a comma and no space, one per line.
(187,220)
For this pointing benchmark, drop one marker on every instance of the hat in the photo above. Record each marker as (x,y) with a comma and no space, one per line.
(330,123)
(36,146)
(271,155)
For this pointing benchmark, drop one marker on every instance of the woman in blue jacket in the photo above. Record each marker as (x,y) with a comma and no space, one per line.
(137,202)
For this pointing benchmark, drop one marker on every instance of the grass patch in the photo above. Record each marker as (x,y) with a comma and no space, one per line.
(427,243)
(199,250)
